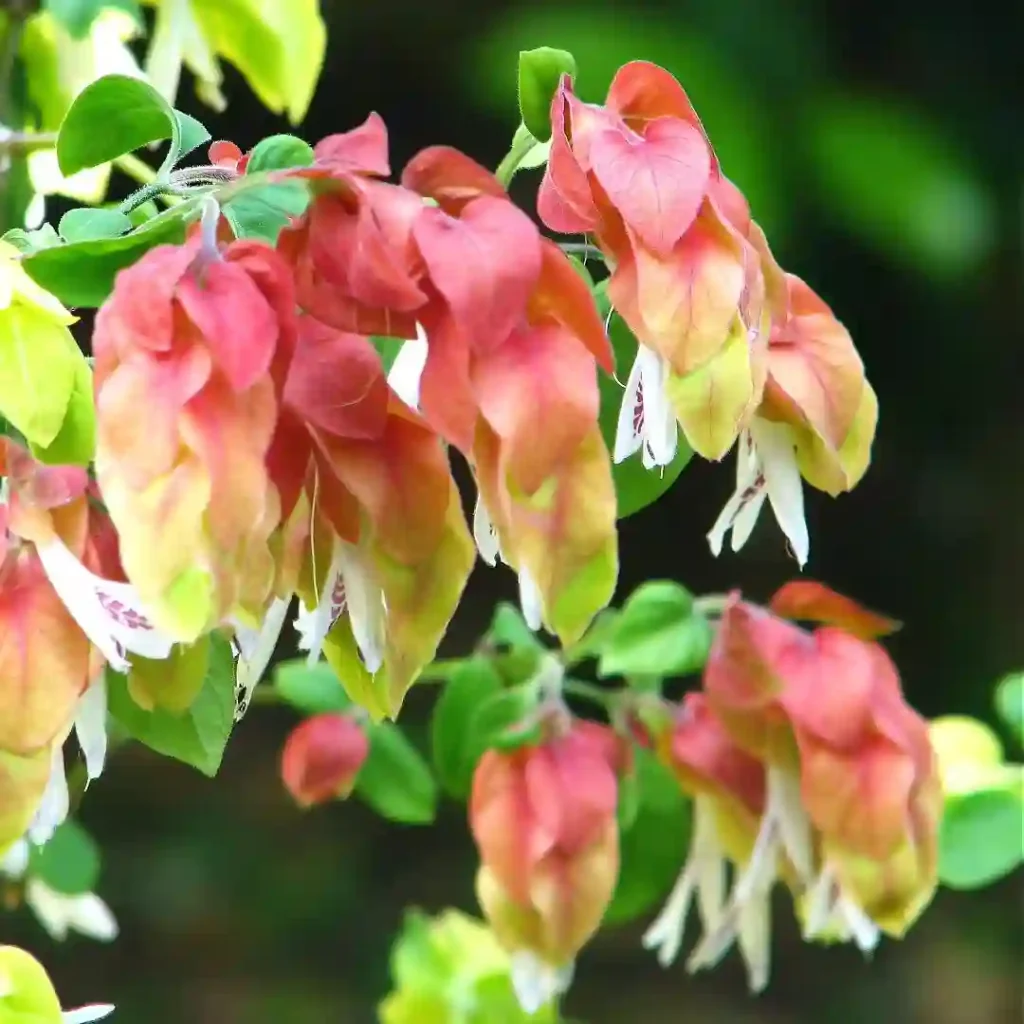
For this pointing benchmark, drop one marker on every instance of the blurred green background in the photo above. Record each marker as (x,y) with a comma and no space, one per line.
(880,145)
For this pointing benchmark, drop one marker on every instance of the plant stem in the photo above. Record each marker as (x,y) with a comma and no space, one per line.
(584,249)
(710,604)
(589,692)
(27,142)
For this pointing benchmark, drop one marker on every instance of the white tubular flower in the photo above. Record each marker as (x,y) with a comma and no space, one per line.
(766,467)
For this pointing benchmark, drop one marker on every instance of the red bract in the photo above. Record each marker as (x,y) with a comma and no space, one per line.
(544,821)
(385,548)
(517,392)
(322,758)
(687,277)
(352,252)
(814,602)
(190,336)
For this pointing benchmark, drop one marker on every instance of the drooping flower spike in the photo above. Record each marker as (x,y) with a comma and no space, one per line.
(190,334)
(514,351)
(853,794)
(68,611)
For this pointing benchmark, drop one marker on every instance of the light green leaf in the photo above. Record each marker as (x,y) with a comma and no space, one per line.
(278,153)
(396,780)
(635,486)
(278,47)
(191,134)
(540,72)
(28,242)
(263,212)
(981,838)
(311,689)
(657,634)
(77,16)
(653,842)
(75,443)
(116,114)
(1010,704)
(472,683)
(198,736)
(508,627)
(504,722)
(85,224)
(38,360)
(70,862)
(899,183)
(82,274)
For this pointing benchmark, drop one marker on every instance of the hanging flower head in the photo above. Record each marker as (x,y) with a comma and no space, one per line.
(544,821)
(189,335)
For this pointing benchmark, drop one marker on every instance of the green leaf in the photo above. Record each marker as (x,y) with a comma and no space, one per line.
(69,862)
(396,780)
(981,837)
(85,224)
(657,633)
(508,627)
(1010,704)
(312,689)
(81,274)
(28,242)
(540,72)
(77,16)
(593,642)
(653,844)
(263,212)
(75,443)
(16,190)
(114,115)
(38,359)
(900,183)
(635,486)
(279,152)
(472,683)
(191,134)
(388,349)
(198,736)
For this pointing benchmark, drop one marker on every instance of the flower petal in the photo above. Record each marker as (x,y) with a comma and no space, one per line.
(91,726)
(365,604)
(530,600)
(629,430)
(53,808)
(660,429)
(776,448)
(741,510)
(484,533)
(535,982)
(87,1014)
(86,913)
(407,370)
(255,652)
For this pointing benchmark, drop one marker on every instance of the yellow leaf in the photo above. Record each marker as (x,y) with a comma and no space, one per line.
(278,45)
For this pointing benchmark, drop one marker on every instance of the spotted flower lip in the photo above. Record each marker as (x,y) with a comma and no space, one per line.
(766,469)
(647,423)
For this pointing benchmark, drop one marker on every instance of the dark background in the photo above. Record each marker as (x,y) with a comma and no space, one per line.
(880,145)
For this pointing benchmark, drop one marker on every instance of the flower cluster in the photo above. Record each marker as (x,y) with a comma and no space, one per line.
(733,351)
(807,768)
(271,422)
